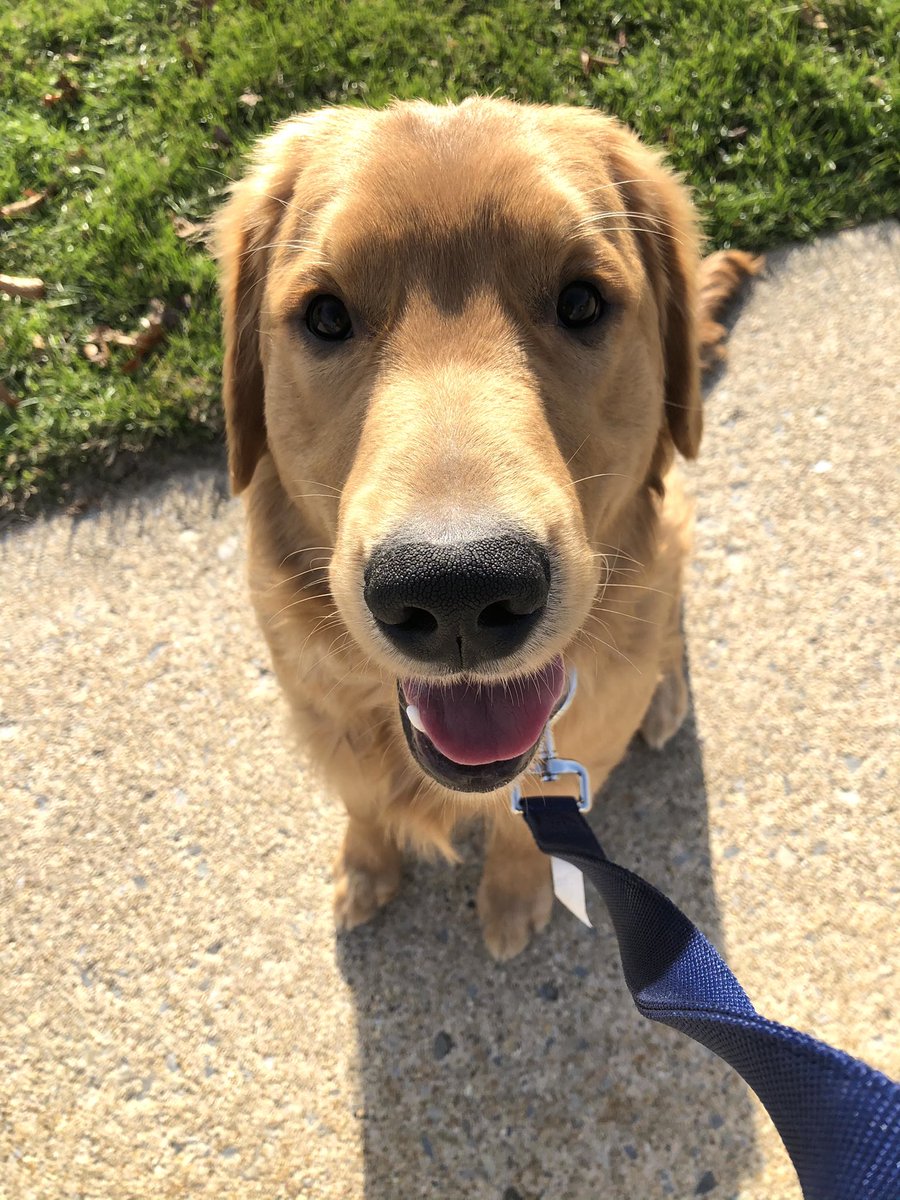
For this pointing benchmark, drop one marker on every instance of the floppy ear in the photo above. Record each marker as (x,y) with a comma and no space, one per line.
(665,224)
(242,242)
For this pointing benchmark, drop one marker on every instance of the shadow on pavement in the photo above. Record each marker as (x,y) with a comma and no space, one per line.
(538,1078)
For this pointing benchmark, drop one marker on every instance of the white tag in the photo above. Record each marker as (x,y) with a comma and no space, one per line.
(568,885)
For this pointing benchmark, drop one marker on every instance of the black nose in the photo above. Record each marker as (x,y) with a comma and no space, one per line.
(458,605)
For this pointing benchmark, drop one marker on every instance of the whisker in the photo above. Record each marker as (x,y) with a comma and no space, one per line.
(304,550)
(320,483)
(614,649)
(640,587)
(297,603)
(604,475)
(629,616)
(580,444)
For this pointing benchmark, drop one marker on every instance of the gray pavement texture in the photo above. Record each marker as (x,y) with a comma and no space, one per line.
(179,1019)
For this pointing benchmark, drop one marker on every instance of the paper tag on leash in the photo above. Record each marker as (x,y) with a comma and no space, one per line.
(568,886)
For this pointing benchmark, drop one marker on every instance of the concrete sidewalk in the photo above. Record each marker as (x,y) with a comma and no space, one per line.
(178,1017)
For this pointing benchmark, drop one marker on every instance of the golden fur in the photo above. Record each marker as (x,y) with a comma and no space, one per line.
(448,230)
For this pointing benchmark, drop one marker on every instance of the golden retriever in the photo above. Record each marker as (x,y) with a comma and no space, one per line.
(462,346)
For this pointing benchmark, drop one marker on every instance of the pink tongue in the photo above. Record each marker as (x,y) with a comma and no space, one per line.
(478,723)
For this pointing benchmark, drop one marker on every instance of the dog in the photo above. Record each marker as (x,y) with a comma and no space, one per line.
(462,352)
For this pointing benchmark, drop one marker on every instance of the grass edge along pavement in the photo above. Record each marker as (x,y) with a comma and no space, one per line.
(122,124)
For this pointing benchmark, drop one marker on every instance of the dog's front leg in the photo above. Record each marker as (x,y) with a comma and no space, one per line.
(368,866)
(515,897)
(366,873)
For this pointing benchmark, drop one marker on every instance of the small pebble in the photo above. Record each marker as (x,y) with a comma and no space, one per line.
(443,1044)
(849,797)
(706,1184)
(548,991)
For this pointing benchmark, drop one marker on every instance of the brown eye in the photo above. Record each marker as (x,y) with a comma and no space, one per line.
(328,319)
(579,305)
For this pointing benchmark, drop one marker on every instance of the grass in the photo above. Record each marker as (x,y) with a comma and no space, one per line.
(781,115)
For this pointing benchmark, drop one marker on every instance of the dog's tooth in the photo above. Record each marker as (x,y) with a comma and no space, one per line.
(414,719)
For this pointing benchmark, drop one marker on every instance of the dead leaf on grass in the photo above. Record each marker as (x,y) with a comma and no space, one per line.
(154,329)
(69,91)
(19,208)
(191,56)
(188,230)
(7,398)
(811,16)
(250,99)
(595,62)
(28,288)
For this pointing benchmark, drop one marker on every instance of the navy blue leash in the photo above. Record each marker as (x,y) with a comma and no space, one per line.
(838,1117)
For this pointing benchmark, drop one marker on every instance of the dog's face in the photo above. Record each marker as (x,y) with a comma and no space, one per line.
(474,326)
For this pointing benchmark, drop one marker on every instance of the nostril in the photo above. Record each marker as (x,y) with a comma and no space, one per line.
(501,615)
(414,620)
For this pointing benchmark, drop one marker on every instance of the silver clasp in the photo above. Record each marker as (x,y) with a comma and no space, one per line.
(548,768)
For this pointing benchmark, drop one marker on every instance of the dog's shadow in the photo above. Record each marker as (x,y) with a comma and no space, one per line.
(538,1078)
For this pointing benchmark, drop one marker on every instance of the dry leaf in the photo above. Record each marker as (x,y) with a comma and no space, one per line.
(154,329)
(7,398)
(18,208)
(192,57)
(738,131)
(19,285)
(595,62)
(250,99)
(188,230)
(69,92)
(621,40)
(811,16)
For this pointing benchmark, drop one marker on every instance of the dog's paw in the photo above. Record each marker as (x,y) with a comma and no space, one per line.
(667,710)
(359,893)
(508,919)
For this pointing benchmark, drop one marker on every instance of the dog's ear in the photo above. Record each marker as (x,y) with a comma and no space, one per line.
(243,237)
(659,210)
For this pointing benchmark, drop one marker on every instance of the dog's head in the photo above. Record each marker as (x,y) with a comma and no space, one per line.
(474,325)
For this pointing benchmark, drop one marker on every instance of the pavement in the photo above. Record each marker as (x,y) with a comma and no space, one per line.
(179,1018)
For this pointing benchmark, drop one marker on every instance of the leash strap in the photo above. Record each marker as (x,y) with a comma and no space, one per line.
(838,1118)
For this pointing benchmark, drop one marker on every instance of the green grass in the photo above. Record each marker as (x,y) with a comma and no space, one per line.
(781,114)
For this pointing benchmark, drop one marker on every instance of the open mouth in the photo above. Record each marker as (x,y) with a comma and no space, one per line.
(477,736)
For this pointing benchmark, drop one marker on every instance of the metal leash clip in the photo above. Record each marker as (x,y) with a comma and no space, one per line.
(548,768)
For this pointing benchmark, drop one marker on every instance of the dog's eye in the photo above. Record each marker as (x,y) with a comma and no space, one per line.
(579,305)
(328,319)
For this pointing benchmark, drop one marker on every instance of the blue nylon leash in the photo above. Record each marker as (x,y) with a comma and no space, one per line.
(838,1118)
